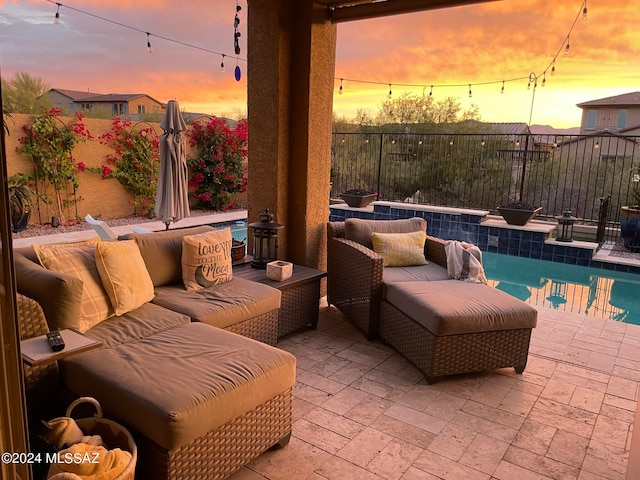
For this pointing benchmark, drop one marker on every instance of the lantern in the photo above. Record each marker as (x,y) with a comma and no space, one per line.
(565,222)
(265,240)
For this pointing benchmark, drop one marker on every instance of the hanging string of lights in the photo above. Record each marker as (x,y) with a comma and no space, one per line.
(236,35)
(532,77)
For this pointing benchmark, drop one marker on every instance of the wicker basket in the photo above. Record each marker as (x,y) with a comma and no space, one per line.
(113,434)
(238,250)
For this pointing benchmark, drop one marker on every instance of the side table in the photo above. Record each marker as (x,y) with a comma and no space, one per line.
(300,304)
(36,351)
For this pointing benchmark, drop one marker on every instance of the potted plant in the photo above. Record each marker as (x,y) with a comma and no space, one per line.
(518,213)
(630,216)
(20,201)
(358,198)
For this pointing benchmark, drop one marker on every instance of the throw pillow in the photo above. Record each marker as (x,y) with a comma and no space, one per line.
(79,262)
(124,275)
(206,259)
(400,249)
(360,230)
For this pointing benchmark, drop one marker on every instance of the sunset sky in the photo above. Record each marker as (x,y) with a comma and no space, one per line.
(460,46)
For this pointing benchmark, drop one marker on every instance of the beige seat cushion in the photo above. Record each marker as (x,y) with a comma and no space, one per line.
(360,230)
(453,307)
(179,384)
(421,273)
(144,321)
(221,305)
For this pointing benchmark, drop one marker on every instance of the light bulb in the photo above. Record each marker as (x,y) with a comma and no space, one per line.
(553,69)
(56,18)
(149,49)
(470,94)
(596,146)
(222,64)
(544,79)
(502,89)
(566,49)
(390,93)
(431,91)
(584,12)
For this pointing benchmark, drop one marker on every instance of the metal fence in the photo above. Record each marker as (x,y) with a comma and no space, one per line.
(478,171)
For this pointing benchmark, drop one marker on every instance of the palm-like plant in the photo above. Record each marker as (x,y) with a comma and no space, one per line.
(21,199)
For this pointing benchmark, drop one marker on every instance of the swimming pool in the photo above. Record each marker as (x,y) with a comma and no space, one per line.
(572,288)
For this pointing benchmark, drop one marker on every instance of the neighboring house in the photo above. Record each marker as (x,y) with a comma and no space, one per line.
(619,114)
(68,99)
(124,104)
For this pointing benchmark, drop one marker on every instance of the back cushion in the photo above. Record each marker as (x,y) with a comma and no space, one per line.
(162,253)
(360,230)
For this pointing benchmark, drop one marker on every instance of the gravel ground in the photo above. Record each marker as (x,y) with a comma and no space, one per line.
(37,229)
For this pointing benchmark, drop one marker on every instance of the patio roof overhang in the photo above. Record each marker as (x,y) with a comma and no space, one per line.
(346,11)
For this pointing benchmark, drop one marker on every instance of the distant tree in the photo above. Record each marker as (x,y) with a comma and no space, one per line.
(423,109)
(25,94)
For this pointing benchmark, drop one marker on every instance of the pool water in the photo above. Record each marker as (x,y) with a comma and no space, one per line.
(571,288)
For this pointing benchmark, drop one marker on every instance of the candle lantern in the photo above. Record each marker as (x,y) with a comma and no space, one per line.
(265,240)
(565,222)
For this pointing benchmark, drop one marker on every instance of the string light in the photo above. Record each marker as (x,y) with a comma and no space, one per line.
(470,94)
(56,18)
(149,49)
(123,25)
(390,93)
(550,68)
(584,10)
(596,146)
(340,91)
(222,64)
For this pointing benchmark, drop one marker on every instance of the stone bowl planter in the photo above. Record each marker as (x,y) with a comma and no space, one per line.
(358,198)
(518,216)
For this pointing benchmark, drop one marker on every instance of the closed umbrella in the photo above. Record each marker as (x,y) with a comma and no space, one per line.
(172,199)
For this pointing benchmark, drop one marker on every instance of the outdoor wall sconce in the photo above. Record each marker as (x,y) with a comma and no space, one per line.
(565,223)
(265,240)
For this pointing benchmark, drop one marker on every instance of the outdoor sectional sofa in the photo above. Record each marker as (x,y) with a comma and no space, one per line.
(200,400)
(443,326)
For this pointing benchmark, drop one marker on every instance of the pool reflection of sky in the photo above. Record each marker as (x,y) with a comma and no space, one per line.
(591,291)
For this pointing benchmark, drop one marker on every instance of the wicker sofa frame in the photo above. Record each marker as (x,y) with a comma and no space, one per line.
(215,455)
(357,290)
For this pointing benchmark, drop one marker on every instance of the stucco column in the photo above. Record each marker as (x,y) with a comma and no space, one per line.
(290,76)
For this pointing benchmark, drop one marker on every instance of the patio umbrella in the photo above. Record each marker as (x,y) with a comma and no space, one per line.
(172,201)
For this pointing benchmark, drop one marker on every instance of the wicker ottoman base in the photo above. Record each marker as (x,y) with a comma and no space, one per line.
(218,454)
(437,355)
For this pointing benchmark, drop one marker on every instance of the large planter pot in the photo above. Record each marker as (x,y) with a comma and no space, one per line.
(630,228)
(358,201)
(516,216)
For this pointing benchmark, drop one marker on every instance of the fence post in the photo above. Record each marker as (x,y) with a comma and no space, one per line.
(603,218)
(379,168)
(524,166)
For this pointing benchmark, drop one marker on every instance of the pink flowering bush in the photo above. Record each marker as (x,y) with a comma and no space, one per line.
(217,171)
(49,142)
(134,161)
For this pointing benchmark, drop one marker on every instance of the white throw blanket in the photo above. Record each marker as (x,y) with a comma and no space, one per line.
(464,262)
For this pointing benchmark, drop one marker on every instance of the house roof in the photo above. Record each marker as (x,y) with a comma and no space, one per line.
(624,100)
(117,97)
(74,94)
(505,128)
(599,134)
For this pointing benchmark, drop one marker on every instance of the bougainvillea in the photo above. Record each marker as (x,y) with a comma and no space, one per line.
(217,171)
(49,141)
(134,161)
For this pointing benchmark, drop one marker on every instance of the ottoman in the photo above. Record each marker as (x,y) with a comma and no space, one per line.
(200,401)
(449,327)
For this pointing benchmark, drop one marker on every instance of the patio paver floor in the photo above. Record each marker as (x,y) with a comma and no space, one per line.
(362,411)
